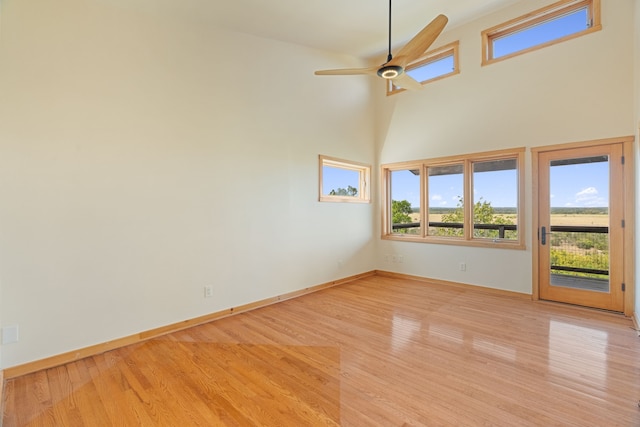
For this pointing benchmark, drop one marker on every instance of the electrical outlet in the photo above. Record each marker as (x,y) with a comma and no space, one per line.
(400,259)
(208,291)
(463,266)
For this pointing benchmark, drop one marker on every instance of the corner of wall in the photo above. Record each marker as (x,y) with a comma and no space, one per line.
(636,117)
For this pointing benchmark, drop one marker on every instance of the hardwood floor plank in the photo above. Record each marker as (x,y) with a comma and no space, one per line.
(377,351)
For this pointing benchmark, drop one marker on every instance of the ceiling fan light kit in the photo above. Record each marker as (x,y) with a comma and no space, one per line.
(394,68)
(390,71)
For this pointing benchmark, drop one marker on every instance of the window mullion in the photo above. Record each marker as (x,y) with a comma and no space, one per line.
(424,201)
(468,200)
(386,213)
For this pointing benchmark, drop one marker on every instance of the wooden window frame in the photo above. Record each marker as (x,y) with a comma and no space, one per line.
(451,49)
(535,18)
(467,239)
(364,171)
(386,190)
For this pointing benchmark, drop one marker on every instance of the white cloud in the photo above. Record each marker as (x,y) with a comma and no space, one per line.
(436,197)
(589,197)
(587,192)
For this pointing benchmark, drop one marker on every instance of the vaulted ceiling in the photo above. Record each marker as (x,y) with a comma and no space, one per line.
(354,27)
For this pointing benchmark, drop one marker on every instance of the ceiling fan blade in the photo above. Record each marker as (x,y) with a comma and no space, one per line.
(419,44)
(347,71)
(405,81)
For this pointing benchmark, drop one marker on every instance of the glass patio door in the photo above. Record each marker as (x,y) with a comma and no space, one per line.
(580,234)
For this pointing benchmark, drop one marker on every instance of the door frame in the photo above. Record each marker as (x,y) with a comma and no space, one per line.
(628,209)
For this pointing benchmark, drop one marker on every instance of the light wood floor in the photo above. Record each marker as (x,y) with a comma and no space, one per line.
(375,352)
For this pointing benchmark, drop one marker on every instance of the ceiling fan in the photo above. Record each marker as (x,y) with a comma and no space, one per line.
(394,68)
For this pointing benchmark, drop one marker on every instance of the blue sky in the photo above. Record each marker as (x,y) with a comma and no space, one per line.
(334,178)
(545,32)
(499,188)
(584,185)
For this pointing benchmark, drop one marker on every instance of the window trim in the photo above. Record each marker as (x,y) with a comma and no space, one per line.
(364,187)
(537,17)
(467,160)
(451,49)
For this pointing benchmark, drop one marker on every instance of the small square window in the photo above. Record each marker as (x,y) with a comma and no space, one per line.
(344,181)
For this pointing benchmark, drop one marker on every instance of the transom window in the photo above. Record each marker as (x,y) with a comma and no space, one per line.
(434,65)
(558,22)
(471,200)
(343,180)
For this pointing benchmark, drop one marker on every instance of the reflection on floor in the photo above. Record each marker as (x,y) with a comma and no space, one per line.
(378,351)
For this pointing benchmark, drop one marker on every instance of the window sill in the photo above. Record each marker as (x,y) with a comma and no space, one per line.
(478,243)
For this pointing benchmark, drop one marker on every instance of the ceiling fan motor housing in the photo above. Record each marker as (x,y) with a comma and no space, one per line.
(390,71)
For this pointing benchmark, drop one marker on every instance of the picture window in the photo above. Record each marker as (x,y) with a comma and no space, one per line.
(473,200)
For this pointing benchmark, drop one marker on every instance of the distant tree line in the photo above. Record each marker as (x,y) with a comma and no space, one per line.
(445,211)
(349,191)
(513,211)
(579,211)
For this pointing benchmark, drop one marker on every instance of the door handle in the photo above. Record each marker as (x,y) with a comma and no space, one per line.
(543,236)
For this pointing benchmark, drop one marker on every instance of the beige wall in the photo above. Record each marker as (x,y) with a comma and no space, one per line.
(144,157)
(573,91)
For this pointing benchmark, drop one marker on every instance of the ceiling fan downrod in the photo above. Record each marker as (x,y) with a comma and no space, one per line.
(389,56)
(390,71)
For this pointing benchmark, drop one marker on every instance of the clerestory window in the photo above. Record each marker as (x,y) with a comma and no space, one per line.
(434,65)
(558,22)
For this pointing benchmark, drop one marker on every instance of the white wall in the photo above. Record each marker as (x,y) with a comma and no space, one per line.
(143,157)
(636,72)
(573,91)
(1,303)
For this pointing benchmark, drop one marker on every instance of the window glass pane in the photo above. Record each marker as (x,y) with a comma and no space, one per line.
(405,201)
(340,182)
(553,29)
(438,63)
(431,70)
(579,220)
(446,207)
(495,199)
